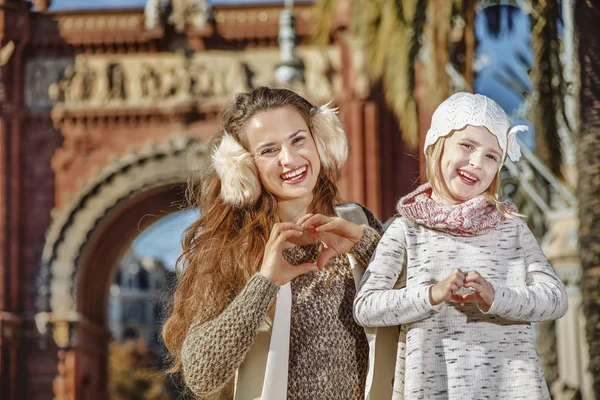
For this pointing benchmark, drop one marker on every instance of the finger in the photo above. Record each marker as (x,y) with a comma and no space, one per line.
(316,220)
(284,236)
(282,227)
(470,298)
(475,285)
(459,280)
(458,273)
(473,278)
(473,275)
(304,218)
(304,268)
(325,257)
(327,227)
(456,298)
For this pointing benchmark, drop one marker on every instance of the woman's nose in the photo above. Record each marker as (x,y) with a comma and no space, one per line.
(286,156)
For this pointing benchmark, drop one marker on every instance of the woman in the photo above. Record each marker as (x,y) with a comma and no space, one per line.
(269,223)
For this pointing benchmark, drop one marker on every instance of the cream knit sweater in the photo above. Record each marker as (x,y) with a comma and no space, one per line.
(453,350)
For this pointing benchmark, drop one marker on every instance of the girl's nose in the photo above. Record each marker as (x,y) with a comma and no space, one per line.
(476,160)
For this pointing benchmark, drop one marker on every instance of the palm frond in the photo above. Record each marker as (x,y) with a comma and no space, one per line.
(437,33)
(325,10)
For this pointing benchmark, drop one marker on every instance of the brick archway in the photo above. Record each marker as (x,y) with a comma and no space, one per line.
(83,249)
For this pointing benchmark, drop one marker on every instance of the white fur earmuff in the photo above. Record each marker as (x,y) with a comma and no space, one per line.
(330,138)
(235,166)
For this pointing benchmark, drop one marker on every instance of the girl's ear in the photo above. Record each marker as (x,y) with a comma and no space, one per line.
(235,166)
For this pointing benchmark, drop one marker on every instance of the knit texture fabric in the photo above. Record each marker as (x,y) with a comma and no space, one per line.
(473,217)
(454,350)
(328,350)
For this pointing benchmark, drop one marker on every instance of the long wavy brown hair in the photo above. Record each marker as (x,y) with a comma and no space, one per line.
(225,246)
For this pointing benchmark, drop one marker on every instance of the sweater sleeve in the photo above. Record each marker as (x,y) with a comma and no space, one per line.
(212,351)
(364,249)
(543,298)
(377,303)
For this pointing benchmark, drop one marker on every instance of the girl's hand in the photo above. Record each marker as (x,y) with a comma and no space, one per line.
(445,290)
(274,267)
(484,291)
(338,235)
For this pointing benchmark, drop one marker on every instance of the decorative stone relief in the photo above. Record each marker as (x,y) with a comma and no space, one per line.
(181,13)
(170,79)
(40,75)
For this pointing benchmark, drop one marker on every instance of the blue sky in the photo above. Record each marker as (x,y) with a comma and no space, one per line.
(162,239)
(504,59)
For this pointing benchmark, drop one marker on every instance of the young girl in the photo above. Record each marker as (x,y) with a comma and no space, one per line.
(460,272)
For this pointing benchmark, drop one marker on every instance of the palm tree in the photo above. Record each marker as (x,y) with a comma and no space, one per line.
(587,14)
(548,111)
(393,32)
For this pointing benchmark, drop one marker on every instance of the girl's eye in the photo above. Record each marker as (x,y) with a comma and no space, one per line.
(267,151)
(492,157)
(467,145)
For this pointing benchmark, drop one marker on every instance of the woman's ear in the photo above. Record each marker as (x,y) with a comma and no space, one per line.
(235,166)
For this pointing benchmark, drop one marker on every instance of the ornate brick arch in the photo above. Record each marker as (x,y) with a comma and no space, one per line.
(137,184)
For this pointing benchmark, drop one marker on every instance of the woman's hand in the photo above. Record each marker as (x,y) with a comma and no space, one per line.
(274,267)
(445,290)
(484,291)
(337,234)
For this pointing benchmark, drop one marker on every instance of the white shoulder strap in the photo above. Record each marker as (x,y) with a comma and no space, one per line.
(264,372)
(276,372)
(383,342)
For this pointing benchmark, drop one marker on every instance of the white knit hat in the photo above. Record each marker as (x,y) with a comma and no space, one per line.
(462,109)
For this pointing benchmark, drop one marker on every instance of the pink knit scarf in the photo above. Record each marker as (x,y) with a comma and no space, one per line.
(472,217)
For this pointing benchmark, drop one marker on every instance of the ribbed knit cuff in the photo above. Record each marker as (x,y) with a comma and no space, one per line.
(260,287)
(363,250)
(500,293)
(438,307)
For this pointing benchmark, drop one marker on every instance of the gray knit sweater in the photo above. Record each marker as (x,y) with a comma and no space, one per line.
(328,350)
(453,350)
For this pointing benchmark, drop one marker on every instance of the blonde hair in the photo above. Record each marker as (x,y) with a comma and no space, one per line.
(225,246)
(433,171)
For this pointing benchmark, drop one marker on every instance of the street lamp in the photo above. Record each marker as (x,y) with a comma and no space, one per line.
(291,67)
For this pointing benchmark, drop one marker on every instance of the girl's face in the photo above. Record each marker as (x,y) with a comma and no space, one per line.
(470,161)
(284,152)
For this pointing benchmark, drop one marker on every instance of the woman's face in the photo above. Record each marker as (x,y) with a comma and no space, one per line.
(284,152)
